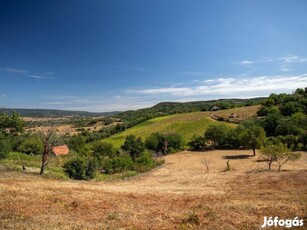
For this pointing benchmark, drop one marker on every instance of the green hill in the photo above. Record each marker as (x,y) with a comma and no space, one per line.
(187,124)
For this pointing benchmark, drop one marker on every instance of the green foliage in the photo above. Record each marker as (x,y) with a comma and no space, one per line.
(102,150)
(165,143)
(134,146)
(198,143)
(31,145)
(291,107)
(11,124)
(76,143)
(80,169)
(278,152)
(219,134)
(118,164)
(286,118)
(253,137)
(4,146)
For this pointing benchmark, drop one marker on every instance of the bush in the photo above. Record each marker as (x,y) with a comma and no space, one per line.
(79,169)
(118,164)
(31,145)
(198,143)
(134,146)
(102,150)
(4,147)
(165,143)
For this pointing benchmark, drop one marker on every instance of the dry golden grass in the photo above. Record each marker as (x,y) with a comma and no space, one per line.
(178,195)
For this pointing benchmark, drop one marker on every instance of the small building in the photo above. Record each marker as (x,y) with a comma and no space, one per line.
(60,150)
(215,108)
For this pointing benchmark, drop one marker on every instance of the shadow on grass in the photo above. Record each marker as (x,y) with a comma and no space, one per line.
(234,157)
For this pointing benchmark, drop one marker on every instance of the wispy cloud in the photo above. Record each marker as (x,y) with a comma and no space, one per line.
(28,74)
(246,62)
(232,86)
(283,62)
(14,70)
(39,77)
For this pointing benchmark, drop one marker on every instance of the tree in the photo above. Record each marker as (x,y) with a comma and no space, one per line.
(253,138)
(11,125)
(49,139)
(103,150)
(219,134)
(198,143)
(31,145)
(207,164)
(134,146)
(279,153)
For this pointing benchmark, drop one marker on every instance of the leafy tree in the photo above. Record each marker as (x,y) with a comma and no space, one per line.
(75,169)
(118,164)
(253,138)
(279,153)
(80,169)
(291,107)
(103,150)
(76,143)
(31,145)
(134,146)
(219,134)
(4,146)
(198,143)
(11,125)
(270,123)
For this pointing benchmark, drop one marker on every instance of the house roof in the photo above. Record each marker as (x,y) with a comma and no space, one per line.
(60,150)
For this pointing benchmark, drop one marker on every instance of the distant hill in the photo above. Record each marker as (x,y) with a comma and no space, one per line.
(53,113)
(186,124)
(168,108)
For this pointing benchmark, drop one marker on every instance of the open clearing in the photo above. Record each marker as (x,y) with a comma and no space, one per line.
(178,195)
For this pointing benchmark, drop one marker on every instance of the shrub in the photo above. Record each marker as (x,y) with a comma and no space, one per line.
(118,164)
(134,146)
(102,150)
(4,147)
(79,169)
(198,143)
(31,145)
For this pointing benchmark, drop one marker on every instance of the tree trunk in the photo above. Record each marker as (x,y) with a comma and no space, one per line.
(254,151)
(279,168)
(44,162)
(42,168)
(270,165)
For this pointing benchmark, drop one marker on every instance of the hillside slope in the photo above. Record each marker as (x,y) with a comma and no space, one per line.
(186,124)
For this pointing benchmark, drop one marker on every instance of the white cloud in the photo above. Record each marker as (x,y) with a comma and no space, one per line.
(292,59)
(39,77)
(14,70)
(246,62)
(233,86)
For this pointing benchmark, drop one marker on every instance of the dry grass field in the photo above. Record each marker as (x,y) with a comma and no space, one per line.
(178,195)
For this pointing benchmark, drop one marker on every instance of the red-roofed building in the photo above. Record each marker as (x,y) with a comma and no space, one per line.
(60,150)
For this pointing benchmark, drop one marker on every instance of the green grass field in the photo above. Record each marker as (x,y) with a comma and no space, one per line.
(187,124)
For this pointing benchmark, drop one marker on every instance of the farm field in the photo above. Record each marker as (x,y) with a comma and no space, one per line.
(187,124)
(177,195)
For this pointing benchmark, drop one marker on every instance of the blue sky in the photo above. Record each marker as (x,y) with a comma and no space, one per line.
(98,55)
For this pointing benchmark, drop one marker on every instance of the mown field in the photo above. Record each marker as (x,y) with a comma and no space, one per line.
(178,195)
(187,124)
